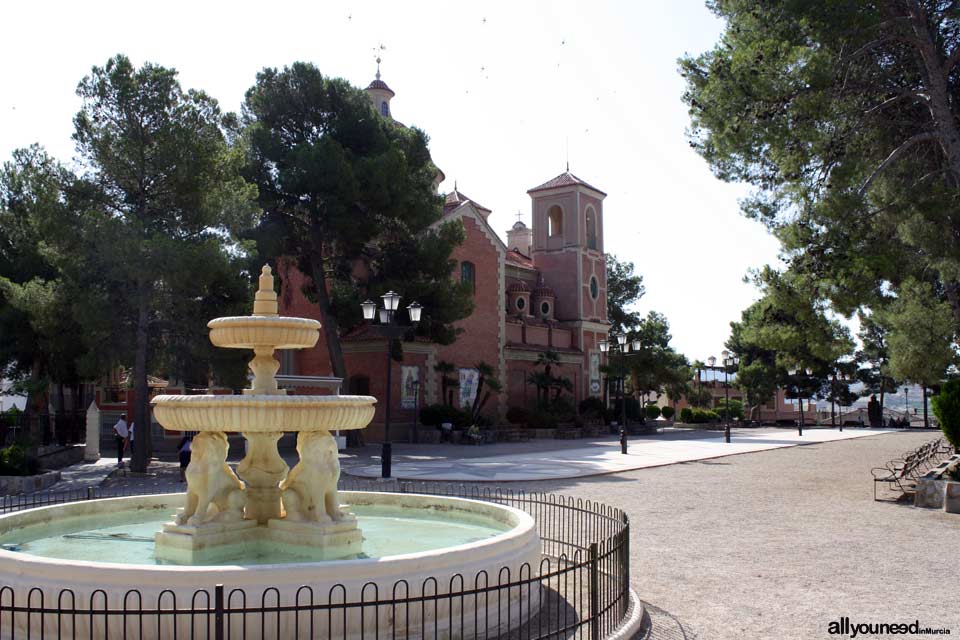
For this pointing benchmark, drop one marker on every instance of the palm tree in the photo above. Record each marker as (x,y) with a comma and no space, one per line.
(444,369)
(492,384)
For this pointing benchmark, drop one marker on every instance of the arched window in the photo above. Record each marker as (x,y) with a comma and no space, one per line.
(384,108)
(521,304)
(468,273)
(555,221)
(594,287)
(591,228)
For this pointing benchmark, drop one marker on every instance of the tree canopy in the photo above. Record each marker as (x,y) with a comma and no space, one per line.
(624,288)
(349,196)
(843,116)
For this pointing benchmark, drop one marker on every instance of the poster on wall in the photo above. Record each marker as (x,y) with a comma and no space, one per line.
(409,386)
(594,373)
(469,378)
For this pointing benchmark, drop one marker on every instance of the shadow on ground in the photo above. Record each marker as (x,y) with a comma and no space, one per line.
(662,625)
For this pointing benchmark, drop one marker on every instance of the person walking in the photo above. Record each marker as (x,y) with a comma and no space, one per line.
(874,413)
(122,433)
(183,450)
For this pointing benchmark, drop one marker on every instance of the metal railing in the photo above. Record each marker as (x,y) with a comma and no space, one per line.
(579,590)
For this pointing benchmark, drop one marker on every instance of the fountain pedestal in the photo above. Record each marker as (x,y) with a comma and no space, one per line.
(227,516)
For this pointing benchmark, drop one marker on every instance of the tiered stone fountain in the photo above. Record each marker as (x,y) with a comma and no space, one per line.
(223,517)
(267,531)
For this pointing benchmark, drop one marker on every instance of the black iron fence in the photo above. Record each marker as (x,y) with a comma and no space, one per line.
(63,428)
(580,589)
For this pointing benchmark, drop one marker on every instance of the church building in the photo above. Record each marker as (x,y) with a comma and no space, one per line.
(544,289)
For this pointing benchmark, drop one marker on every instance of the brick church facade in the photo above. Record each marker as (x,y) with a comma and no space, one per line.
(543,289)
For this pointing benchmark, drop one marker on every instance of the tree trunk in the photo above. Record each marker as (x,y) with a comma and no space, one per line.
(331,329)
(141,414)
(883,388)
(935,77)
(926,420)
(32,408)
(952,289)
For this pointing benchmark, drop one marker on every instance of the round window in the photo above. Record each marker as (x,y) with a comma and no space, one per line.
(545,308)
(521,303)
(594,287)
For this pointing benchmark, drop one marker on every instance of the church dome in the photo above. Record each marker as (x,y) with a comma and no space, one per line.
(518,287)
(519,225)
(543,291)
(380,85)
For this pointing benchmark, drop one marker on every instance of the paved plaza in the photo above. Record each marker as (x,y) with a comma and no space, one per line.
(594,457)
(775,543)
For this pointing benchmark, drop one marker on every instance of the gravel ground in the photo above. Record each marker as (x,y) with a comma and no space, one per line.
(780,543)
(775,544)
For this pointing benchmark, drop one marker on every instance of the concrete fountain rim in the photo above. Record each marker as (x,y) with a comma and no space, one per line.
(523,525)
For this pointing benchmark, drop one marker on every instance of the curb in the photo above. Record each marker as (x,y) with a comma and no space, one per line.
(633,623)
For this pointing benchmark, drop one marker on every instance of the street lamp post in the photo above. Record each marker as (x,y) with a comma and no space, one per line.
(798,373)
(416,409)
(622,346)
(390,330)
(845,378)
(729,360)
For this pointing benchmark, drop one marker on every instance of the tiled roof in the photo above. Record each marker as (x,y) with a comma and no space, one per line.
(380,84)
(565,179)
(515,257)
(518,286)
(454,199)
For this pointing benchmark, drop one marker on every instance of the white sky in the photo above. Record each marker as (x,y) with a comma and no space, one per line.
(502,88)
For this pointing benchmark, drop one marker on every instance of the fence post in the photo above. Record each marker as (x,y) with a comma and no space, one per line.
(91,493)
(218,612)
(594,592)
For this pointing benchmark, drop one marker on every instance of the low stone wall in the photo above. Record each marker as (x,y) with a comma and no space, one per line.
(57,457)
(933,484)
(12,485)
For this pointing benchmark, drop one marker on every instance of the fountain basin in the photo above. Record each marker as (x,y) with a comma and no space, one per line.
(277,332)
(504,557)
(263,413)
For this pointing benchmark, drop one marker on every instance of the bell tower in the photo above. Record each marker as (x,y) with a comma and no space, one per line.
(567,246)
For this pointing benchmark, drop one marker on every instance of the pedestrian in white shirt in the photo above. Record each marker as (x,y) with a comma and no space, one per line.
(122,432)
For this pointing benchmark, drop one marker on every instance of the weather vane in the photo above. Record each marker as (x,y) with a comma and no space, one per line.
(376,52)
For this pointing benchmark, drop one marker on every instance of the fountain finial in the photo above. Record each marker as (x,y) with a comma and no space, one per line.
(265,302)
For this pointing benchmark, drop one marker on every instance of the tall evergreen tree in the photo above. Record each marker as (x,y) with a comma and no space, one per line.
(844,117)
(38,332)
(169,195)
(624,288)
(349,196)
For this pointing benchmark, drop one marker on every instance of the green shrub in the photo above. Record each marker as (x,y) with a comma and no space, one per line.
(946,406)
(562,409)
(541,419)
(433,415)
(14,461)
(686,414)
(701,416)
(736,409)
(667,412)
(652,411)
(633,409)
(591,407)
(517,415)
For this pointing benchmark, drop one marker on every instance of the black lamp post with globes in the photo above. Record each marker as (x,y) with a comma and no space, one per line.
(620,344)
(389,329)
